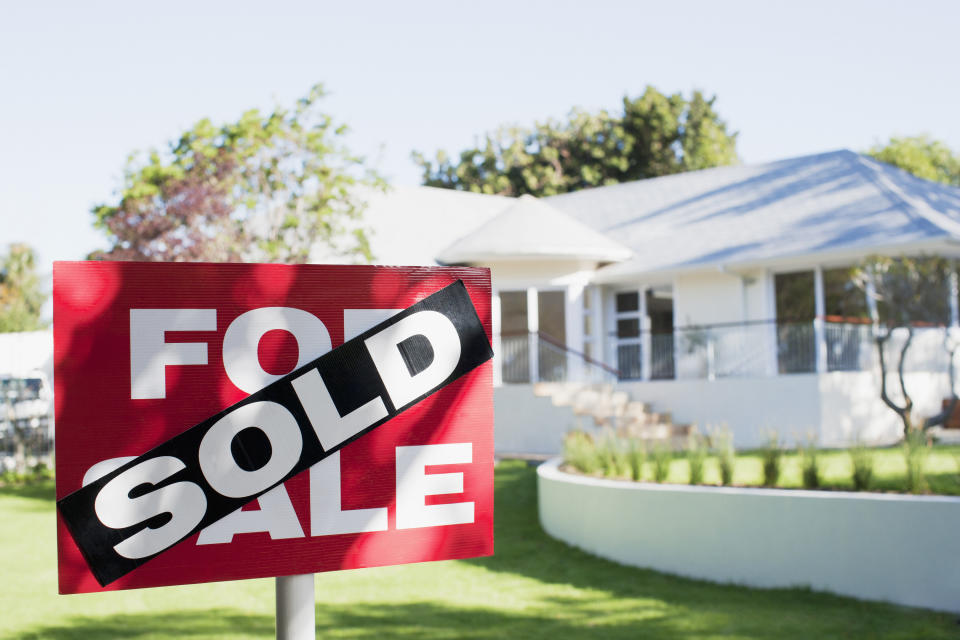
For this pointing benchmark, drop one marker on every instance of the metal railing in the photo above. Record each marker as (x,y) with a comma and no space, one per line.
(549,360)
(748,349)
(771,348)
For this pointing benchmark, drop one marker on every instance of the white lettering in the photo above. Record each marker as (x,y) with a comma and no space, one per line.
(327,517)
(402,386)
(332,428)
(184,501)
(414,484)
(150,354)
(216,458)
(243,337)
(275,516)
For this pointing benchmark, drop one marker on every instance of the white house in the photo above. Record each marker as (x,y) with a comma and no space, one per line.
(720,296)
(717,297)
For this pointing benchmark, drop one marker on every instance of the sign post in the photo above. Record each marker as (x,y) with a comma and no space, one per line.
(228,421)
(296,614)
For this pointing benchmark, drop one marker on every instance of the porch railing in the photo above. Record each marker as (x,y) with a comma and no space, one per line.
(548,360)
(770,348)
(749,349)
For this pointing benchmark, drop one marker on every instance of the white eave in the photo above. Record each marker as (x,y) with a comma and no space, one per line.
(530,229)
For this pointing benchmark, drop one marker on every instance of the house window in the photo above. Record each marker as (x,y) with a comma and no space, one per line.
(796,308)
(628,328)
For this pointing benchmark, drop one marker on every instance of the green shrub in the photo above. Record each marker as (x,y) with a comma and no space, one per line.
(614,455)
(696,456)
(580,452)
(915,449)
(772,455)
(722,441)
(809,463)
(661,461)
(862,459)
(638,456)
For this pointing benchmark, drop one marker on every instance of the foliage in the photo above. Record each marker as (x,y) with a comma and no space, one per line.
(38,473)
(915,450)
(857,468)
(862,460)
(661,461)
(808,460)
(21,294)
(614,455)
(267,187)
(722,441)
(922,156)
(638,457)
(909,290)
(772,456)
(653,135)
(696,456)
(580,452)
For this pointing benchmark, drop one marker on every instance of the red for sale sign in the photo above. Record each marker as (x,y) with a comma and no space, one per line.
(229,421)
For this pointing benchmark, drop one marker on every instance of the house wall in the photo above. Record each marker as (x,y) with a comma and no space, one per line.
(749,407)
(527,423)
(758,303)
(851,408)
(840,407)
(707,298)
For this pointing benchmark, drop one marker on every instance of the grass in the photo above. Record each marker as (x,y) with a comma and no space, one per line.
(941,469)
(534,587)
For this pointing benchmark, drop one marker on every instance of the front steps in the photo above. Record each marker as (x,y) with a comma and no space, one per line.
(603,405)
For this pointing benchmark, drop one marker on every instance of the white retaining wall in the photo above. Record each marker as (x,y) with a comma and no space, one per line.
(894,548)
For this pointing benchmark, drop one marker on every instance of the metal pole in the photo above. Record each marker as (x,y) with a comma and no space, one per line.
(296,616)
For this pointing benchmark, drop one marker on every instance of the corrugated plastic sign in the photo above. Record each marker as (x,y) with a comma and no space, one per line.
(229,421)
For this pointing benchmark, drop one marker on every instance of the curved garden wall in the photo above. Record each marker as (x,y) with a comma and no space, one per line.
(891,547)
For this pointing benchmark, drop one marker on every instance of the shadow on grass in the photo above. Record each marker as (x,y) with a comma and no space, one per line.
(215,623)
(43,490)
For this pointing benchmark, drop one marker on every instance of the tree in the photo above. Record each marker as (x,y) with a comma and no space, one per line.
(21,294)
(922,156)
(654,135)
(267,187)
(909,291)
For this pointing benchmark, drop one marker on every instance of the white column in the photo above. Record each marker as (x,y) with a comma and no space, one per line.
(574,311)
(533,328)
(609,344)
(819,322)
(646,343)
(597,329)
(770,290)
(497,343)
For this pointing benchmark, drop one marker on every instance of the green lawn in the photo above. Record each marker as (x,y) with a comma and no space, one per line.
(534,587)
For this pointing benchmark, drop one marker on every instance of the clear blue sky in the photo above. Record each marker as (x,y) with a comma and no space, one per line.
(83,84)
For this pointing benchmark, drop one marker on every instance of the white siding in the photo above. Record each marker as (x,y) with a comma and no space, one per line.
(707,298)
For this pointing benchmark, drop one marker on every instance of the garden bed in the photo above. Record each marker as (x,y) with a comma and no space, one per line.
(878,546)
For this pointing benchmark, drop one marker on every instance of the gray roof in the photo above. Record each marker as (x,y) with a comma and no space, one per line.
(531,229)
(823,204)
